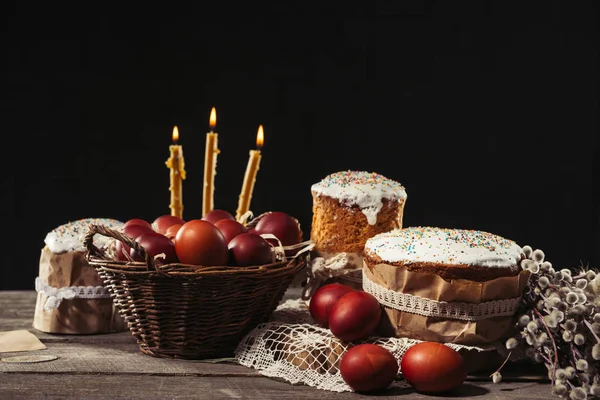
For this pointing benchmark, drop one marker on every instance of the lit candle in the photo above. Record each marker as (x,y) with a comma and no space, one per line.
(250,176)
(177,166)
(210,164)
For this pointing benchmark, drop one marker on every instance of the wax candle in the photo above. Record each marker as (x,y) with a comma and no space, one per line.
(210,164)
(177,166)
(250,176)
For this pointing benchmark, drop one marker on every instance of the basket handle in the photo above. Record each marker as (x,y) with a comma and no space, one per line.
(93,250)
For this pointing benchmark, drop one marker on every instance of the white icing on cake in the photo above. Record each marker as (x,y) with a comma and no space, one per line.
(363,189)
(441,245)
(69,237)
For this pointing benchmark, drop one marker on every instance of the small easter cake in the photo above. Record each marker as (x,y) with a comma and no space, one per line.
(71,297)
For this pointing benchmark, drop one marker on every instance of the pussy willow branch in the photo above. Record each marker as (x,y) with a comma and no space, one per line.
(541,317)
(505,361)
(589,326)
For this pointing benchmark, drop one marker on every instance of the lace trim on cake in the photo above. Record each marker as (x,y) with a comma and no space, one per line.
(55,296)
(432,308)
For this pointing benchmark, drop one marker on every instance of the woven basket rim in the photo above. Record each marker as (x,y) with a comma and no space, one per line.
(98,258)
(140,268)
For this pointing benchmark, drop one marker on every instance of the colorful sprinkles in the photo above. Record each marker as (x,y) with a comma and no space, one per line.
(69,236)
(360,180)
(366,190)
(453,246)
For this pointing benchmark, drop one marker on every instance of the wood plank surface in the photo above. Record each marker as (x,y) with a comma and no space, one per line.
(91,387)
(101,358)
(110,366)
(156,386)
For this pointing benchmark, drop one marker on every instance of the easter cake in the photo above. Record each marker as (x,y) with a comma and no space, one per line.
(71,298)
(448,285)
(350,207)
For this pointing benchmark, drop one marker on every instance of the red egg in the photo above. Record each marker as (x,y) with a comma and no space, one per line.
(217,215)
(283,226)
(199,242)
(121,251)
(137,221)
(323,299)
(162,223)
(155,243)
(368,367)
(248,249)
(354,316)
(230,228)
(172,231)
(431,367)
(133,231)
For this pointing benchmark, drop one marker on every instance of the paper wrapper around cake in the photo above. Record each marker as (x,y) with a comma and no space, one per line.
(480,332)
(77,315)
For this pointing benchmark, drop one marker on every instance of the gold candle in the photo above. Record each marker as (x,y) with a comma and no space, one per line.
(210,165)
(250,175)
(177,166)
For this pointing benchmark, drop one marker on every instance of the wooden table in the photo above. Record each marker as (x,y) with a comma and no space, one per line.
(111,367)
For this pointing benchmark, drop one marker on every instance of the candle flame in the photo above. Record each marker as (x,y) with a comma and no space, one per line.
(260,137)
(213,119)
(175,134)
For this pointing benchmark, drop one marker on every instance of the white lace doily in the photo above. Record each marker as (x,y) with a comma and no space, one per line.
(291,347)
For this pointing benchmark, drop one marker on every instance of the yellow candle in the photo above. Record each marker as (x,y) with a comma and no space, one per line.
(210,164)
(250,175)
(177,166)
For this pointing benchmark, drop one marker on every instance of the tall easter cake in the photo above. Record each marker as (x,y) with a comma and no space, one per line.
(446,285)
(71,297)
(350,207)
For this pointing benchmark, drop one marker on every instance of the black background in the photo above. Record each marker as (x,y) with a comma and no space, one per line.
(484,111)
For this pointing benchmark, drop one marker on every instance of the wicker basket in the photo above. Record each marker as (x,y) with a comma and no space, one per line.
(188,311)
